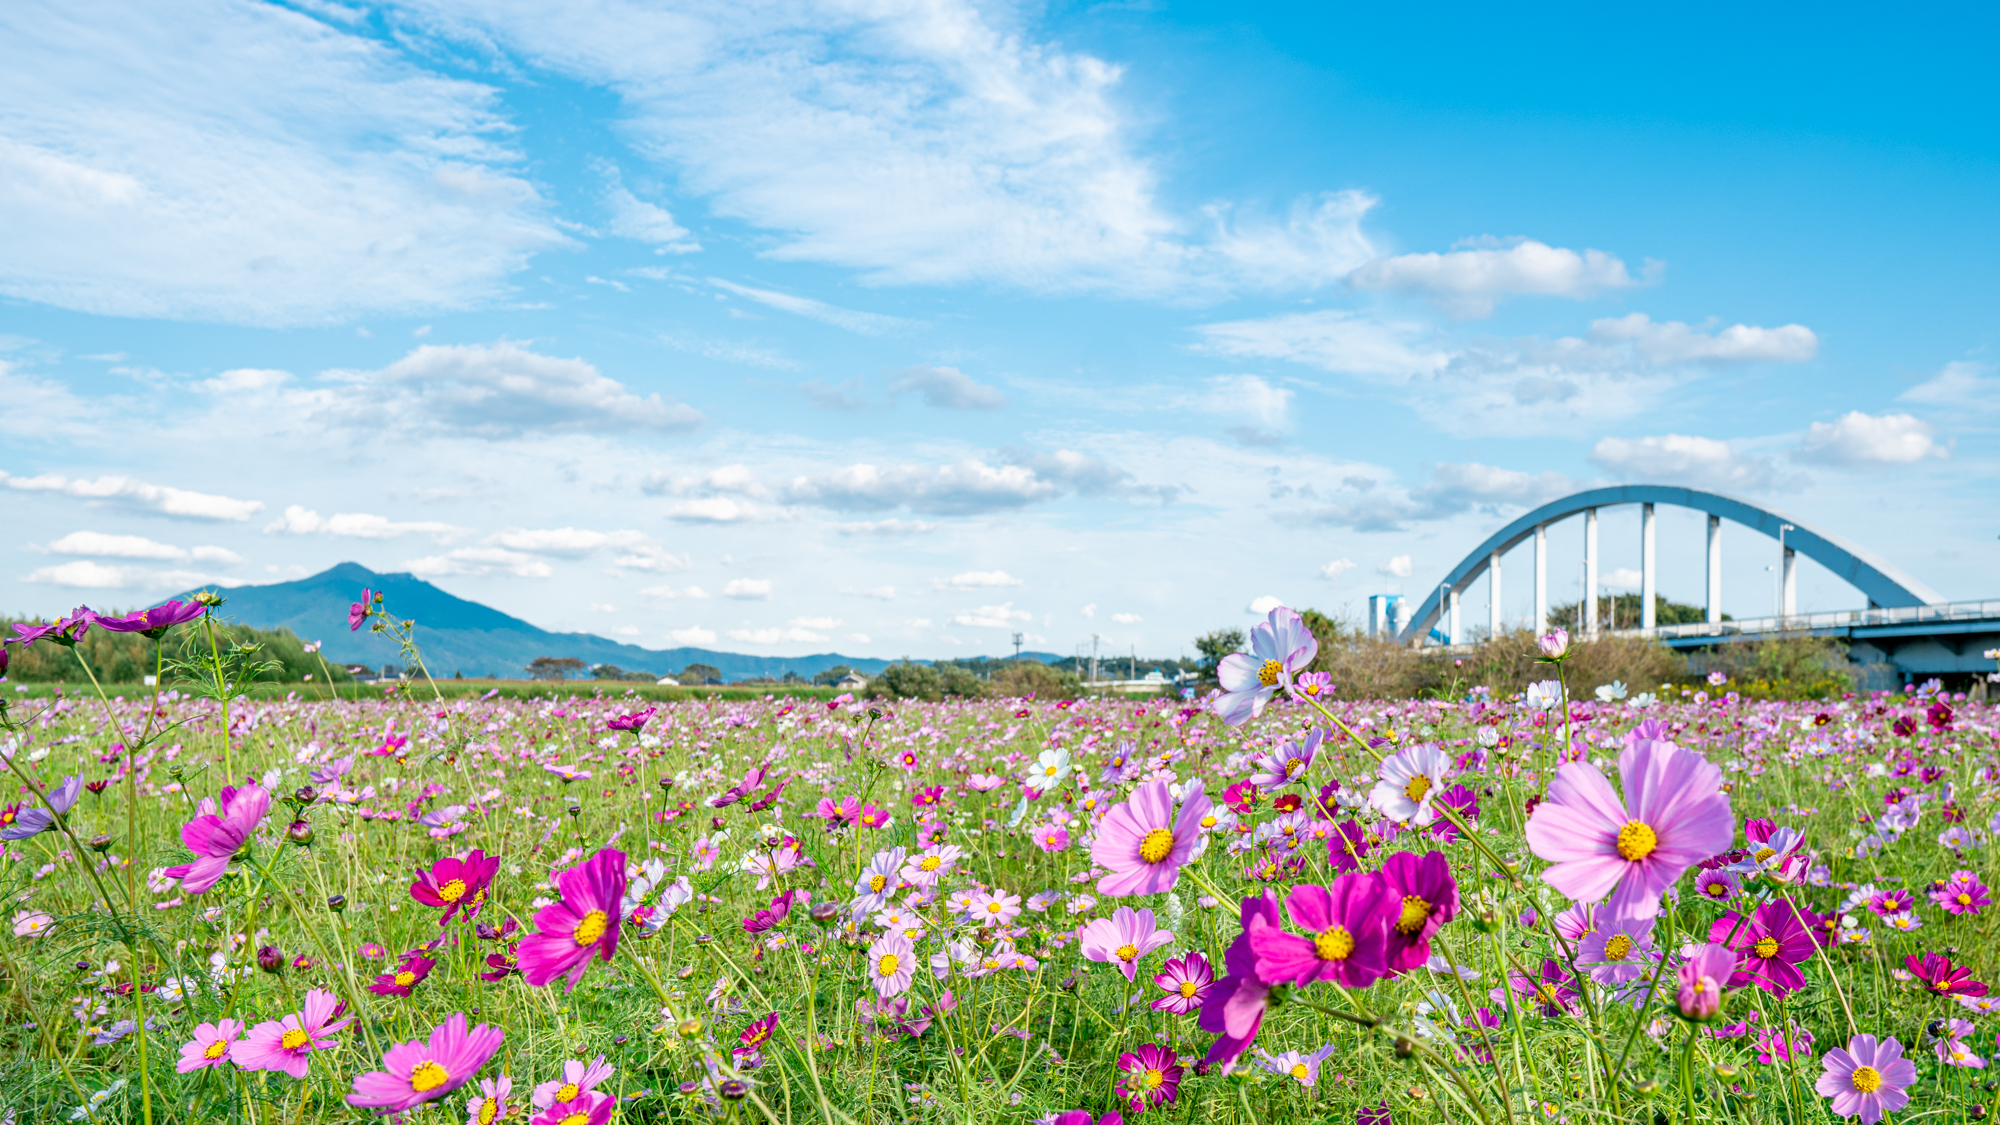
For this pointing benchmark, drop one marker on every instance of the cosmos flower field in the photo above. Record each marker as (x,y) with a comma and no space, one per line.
(1272,903)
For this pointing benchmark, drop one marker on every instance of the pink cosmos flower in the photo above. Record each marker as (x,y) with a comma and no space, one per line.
(404,980)
(1052,839)
(1289,762)
(210,1046)
(1297,1065)
(490,1104)
(217,838)
(1951,1047)
(1867,1078)
(1677,817)
(928,867)
(1187,980)
(156,621)
(1702,978)
(593,1110)
(1963,893)
(584,922)
(287,1044)
(456,882)
(1149,1076)
(892,962)
(416,1072)
(359,611)
(1144,844)
(1234,1010)
(1619,950)
(578,1079)
(1428,898)
(1280,648)
(1772,944)
(1349,927)
(846,809)
(995,908)
(1123,939)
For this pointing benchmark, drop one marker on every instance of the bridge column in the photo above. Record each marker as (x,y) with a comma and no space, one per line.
(1541,577)
(1590,572)
(1714,570)
(1648,571)
(1788,580)
(1493,611)
(1452,629)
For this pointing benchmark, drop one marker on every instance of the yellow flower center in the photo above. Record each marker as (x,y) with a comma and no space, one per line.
(1210,821)
(1188,989)
(488,1110)
(577,1119)
(1866,1079)
(993,908)
(1415,913)
(1718,888)
(1418,786)
(428,1076)
(452,891)
(1617,947)
(406,978)
(1154,1078)
(1293,765)
(568,1092)
(1335,944)
(216,1049)
(1127,952)
(1299,1071)
(1964,899)
(591,928)
(1269,671)
(886,965)
(1312,689)
(930,863)
(292,1040)
(1766,947)
(1637,840)
(1157,845)
(1765,853)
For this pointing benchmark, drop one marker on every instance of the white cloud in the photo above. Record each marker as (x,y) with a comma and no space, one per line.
(42,409)
(636,219)
(1469,282)
(655,559)
(84,574)
(236,162)
(1264,408)
(947,388)
(863,323)
(1452,489)
(1623,578)
(299,520)
(880,593)
(627,630)
(694,592)
(1002,616)
(491,390)
(1685,459)
(1399,567)
(1264,605)
(774,635)
(716,509)
(972,579)
(477,561)
(1331,339)
(692,635)
(138,494)
(748,589)
(1320,242)
(1336,569)
(101,545)
(816,622)
(965,487)
(1127,618)
(565,542)
(860,638)
(1089,610)
(602,607)
(1858,440)
(1961,384)
(918,622)
(730,480)
(885,527)
(1672,342)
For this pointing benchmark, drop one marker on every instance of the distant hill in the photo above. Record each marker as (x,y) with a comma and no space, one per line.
(461,636)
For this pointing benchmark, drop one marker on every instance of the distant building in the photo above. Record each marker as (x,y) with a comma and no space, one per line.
(667,681)
(853,681)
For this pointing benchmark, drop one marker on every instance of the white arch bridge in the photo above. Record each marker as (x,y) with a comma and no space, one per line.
(1906,625)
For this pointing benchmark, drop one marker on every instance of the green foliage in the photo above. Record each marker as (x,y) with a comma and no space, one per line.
(1623,611)
(1022,678)
(833,675)
(1215,645)
(700,674)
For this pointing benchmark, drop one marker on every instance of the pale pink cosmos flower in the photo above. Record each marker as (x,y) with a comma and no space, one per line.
(1280,648)
(1673,816)
(210,1046)
(1144,844)
(490,1104)
(578,1078)
(418,1071)
(287,1044)
(994,908)
(1123,939)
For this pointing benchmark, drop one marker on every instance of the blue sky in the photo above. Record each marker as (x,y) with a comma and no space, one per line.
(896,328)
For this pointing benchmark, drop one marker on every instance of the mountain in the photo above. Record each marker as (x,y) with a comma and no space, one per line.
(456,635)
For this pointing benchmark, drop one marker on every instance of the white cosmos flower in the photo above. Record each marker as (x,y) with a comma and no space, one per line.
(1051,767)
(1545,694)
(1409,782)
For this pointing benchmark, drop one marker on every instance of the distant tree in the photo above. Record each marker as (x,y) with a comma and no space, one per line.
(961,682)
(554,667)
(912,681)
(833,675)
(607,672)
(1214,646)
(1027,677)
(1623,610)
(700,674)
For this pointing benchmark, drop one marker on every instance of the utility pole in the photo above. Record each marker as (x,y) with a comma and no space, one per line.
(1017,647)
(1094,638)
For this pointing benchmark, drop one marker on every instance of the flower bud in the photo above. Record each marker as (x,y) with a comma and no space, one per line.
(689,1028)
(686,972)
(666,785)
(689,1088)
(300,832)
(824,912)
(305,795)
(336,903)
(1069,983)
(732,1089)
(100,842)
(1554,644)
(270,960)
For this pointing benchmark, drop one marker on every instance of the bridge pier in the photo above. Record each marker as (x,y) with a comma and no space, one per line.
(1714,569)
(1590,572)
(1648,571)
(1457,638)
(1493,589)
(1541,577)
(1788,584)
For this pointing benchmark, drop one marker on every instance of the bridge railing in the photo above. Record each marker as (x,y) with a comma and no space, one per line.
(1842,619)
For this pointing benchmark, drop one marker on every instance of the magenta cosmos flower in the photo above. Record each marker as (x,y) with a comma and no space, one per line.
(584,922)
(1349,927)
(1772,943)
(1124,939)
(359,611)
(490,1103)
(1428,899)
(288,1043)
(1149,1076)
(1280,647)
(1187,981)
(210,1046)
(1144,844)
(153,622)
(456,882)
(1674,815)
(592,1110)
(1867,1078)
(415,1072)
(577,1082)
(216,838)
(1234,1010)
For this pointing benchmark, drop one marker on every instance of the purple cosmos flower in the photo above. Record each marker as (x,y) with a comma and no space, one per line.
(1290,761)
(1297,1065)
(417,1072)
(1377,1114)
(210,1046)
(405,979)
(1674,816)
(154,622)
(634,721)
(1553,991)
(1951,1047)
(287,1044)
(33,822)
(1773,1046)
(1187,980)
(594,1109)
(1123,939)
(1702,978)
(577,1081)
(995,908)
(1460,800)
(1409,783)
(928,867)
(1892,902)
(1963,893)
(1428,898)
(1772,944)
(1234,1010)
(359,611)
(490,1104)
(65,631)
(1717,884)
(1617,950)
(216,839)
(1867,1078)
(1312,685)
(1144,844)
(1149,1076)
(584,922)
(1280,647)
(1349,923)
(1347,847)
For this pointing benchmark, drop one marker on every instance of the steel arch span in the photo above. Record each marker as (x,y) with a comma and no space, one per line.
(1883,583)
